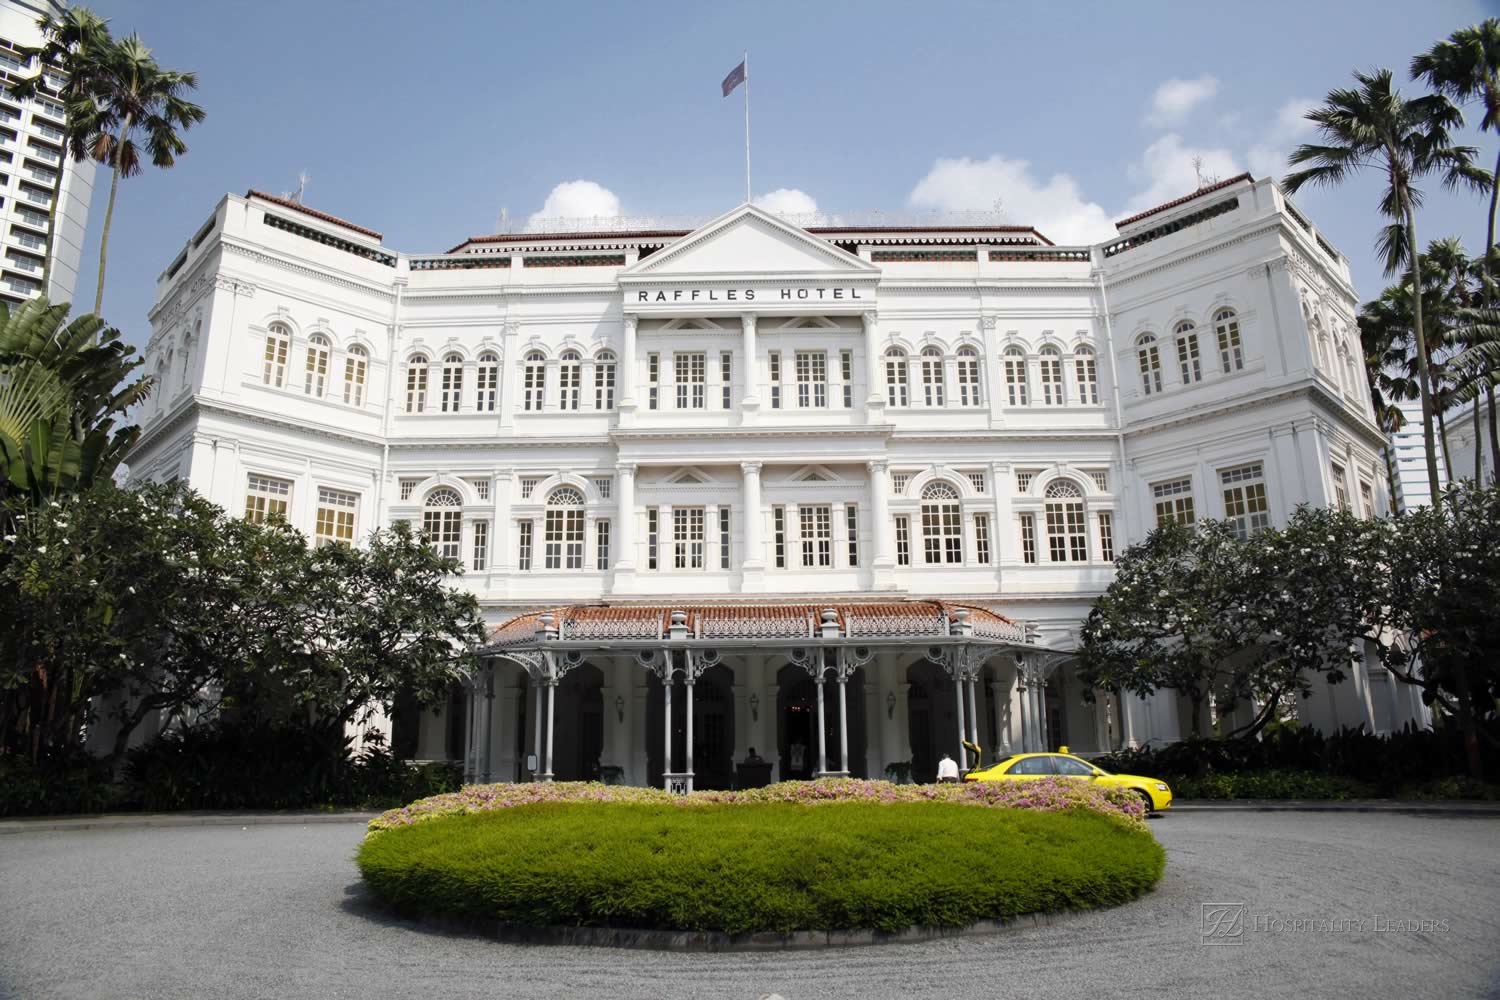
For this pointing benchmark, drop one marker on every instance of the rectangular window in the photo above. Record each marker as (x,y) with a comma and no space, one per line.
(1245,499)
(687,537)
(1028,538)
(968,378)
(534,383)
(569,382)
(1067,538)
(453,387)
(1088,378)
(601,544)
(564,538)
(266,497)
(444,527)
(895,380)
(976,479)
(982,539)
(416,386)
(1015,379)
(1100,478)
(851,528)
(1174,502)
(523,546)
(690,370)
(528,486)
(899,481)
(773,364)
(903,540)
(942,533)
(778,535)
(335,521)
(487,380)
(1023,480)
(726,379)
(1052,377)
(815,522)
(812,379)
(604,384)
(604,487)
(932,377)
(481,557)
(1106,536)
(652,529)
(1340,491)
(405,488)
(277,346)
(1367,499)
(726,538)
(354,380)
(846,375)
(481,488)
(653,381)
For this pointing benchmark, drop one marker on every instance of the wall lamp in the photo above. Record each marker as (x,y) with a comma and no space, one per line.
(620,706)
(754,707)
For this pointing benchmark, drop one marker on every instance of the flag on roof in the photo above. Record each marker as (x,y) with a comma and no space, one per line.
(734,79)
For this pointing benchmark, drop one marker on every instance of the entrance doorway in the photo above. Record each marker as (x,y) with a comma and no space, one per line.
(579,718)
(933,725)
(713,728)
(797,724)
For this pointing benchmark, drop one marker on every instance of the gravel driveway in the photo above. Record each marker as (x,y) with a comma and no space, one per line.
(277,911)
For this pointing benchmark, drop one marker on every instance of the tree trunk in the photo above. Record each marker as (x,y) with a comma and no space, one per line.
(1489,395)
(1442,434)
(109,214)
(1424,378)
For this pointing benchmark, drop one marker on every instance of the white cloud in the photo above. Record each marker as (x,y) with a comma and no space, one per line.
(1291,120)
(1166,171)
(787,201)
(1057,208)
(576,200)
(1175,99)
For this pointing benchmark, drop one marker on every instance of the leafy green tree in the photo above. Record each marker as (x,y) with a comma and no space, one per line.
(1466,67)
(62,390)
(1175,617)
(71,45)
(1373,127)
(132,103)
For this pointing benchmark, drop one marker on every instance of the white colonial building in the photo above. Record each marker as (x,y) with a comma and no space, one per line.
(750,456)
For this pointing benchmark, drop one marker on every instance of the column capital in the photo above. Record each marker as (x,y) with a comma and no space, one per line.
(751,468)
(869,319)
(747,322)
(631,322)
(878,465)
(625,469)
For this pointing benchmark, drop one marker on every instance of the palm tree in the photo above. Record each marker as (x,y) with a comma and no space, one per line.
(1374,127)
(1385,337)
(1467,67)
(1447,290)
(133,100)
(71,46)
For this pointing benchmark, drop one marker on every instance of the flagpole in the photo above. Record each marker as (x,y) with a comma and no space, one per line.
(747,126)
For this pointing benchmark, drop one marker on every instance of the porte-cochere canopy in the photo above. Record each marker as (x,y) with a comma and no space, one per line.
(889,620)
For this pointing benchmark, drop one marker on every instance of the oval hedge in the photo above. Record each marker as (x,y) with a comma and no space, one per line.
(750,867)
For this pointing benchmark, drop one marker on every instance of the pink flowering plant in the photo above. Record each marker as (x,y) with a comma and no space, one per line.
(1042,795)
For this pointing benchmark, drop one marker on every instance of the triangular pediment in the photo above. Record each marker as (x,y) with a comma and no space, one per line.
(688,475)
(749,239)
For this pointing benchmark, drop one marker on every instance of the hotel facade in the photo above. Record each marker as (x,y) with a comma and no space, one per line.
(840,494)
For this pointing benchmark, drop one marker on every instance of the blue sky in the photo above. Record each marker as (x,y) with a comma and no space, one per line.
(424,120)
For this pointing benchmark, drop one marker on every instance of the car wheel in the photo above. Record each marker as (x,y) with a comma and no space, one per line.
(1146,798)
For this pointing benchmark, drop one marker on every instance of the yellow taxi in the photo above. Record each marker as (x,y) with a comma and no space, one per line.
(1025,766)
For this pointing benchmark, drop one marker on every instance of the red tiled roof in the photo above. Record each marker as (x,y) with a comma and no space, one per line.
(871,620)
(1185,199)
(299,207)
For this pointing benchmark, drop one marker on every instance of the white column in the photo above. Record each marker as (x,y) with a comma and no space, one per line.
(882,528)
(688,683)
(958,692)
(973,713)
(538,726)
(627,386)
(1127,718)
(489,718)
(822,726)
(843,724)
(551,719)
(471,737)
(711,536)
(874,370)
(1023,692)
(624,527)
(750,365)
(666,714)
(754,518)
(1000,699)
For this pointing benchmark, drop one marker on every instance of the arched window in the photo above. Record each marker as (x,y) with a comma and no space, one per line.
(1087,368)
(942,524)
(968,377)
(278,347)
(1017,385)
(416,383)
(1067,536)
(932,376)
(534,381)
(563,530)
(1052,376)
(604,381)
(1231,354)
(356,369)
(488,378)
(1149,356)
(570,375)
(452,377)
(443,520)
(1188,359)
(896,390)
(316,380)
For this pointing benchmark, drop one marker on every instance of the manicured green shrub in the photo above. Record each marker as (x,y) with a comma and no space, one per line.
(759,866)
(1271,785)
(77,784)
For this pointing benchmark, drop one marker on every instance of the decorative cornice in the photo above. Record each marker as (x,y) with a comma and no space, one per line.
(383,290)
